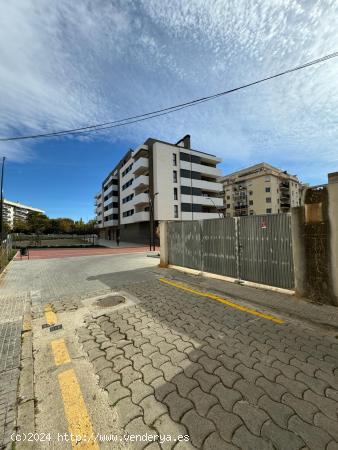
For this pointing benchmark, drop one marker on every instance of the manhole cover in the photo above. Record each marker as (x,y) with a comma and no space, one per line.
(111,300)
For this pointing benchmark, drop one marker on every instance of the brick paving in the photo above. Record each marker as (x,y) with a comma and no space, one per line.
(11,312)
(179,364)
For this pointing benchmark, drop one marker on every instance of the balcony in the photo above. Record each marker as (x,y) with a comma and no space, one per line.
(142,216)
(211,186)
(284,185)
(202,200)
(201,168)
(110,200)
(141,199)
(140,166)
(141,181)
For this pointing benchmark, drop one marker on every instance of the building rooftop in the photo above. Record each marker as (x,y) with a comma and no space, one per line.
(22,205)
(257,169)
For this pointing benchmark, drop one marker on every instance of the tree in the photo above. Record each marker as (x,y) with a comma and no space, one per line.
(37,223)
(20,226)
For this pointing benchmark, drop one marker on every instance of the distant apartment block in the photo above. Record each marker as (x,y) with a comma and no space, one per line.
(260,189)
(157,181)
(13,211)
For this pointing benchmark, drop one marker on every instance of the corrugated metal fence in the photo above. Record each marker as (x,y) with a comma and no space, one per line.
(253,248)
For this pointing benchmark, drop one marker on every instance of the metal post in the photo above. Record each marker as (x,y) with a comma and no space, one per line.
(219,214)
(2,201)
(237,247)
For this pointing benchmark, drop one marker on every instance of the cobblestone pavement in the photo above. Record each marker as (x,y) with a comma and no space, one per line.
(178,364)
(11,313)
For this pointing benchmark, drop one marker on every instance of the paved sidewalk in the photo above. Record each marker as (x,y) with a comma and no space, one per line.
(179,364)
(289,305)
(11,314)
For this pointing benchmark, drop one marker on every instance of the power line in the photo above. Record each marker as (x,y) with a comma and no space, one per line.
(165,111)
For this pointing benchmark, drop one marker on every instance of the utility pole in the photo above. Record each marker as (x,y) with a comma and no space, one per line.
(2,201)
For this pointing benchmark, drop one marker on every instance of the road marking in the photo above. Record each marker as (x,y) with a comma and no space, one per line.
(224,301)
(79,423)
(60,351)
(50,315)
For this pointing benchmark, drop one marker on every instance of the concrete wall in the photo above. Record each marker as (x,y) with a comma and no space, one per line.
(135,232)
(315,243)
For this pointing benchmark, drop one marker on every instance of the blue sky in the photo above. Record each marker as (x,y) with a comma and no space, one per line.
(66,64)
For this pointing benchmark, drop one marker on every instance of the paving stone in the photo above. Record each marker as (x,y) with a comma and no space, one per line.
(206,380)
(332,446)
(140,390)
(116,392)
(332,393)
(228,362)
(107,376)
(129,375)
(215,442)
(95,353)
(177,405)
(184,384)
(113,352)
(202,401)
(252,416)
(170,371)
(150,373)
(139,428)
(198,427)
(248,441)
(227,397)
(249,375)
(281,438)
(315,438)
(127,411)
(274,390)
(90,345)
(296,388)
(329,425)
(189,368)
(308,369)
(158,359)
(278,412)
(249,391)
(139,361)
(120,362)
(329,377)
(209,365)
(162,388)
(153,446)
(288,371)
(304,409)
(130,350)
(185,445)
(153,409)
(148,349)
(226,423)
(176,356)
(101,363)
(184,346)
(166,426)
(326,405)
(270,373)
(164,347)
(316,385)
(227,377)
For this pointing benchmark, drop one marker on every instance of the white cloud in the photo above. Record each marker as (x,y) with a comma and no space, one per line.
(66,64)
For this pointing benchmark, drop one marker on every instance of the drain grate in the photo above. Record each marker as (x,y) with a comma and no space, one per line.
(111,300)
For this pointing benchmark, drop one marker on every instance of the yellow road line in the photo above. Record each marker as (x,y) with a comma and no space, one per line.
(79,423)
(51,317)
(61,355)
(223,300)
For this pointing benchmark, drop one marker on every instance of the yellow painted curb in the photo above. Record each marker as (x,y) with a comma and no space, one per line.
(224,301)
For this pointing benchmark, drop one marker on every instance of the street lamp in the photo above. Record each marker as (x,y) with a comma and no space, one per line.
(151,219)
(219,214)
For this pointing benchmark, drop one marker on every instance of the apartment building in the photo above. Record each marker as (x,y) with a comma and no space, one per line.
(260,189)
(13,211)
(157,181)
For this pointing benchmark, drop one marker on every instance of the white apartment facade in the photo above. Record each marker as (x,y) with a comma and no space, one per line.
(13,211)
(158,181)
(260,189)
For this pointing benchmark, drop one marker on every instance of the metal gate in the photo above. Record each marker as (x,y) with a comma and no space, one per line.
(265,250)
(253,248)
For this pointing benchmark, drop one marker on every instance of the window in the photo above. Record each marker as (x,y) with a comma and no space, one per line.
(176,211)
(175,176)
(268,199)
(128,169)
(251,212)
(228,197)
(174,159)
(267,189)
(250,192)
(267,179)
(250,202)
(268,210)
(175,193)
(128,213)
(127,184)
(228,206)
